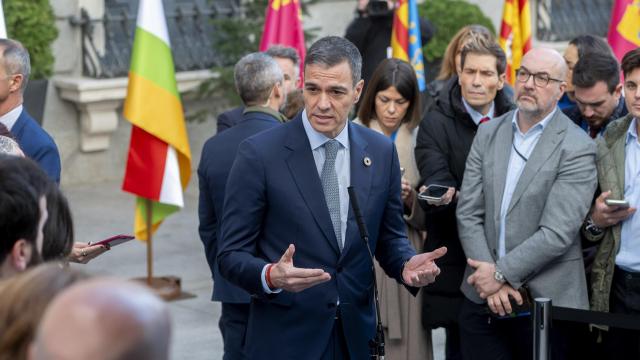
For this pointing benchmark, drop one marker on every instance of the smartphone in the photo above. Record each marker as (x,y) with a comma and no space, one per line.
(433,193)
(114,240)
(624,204)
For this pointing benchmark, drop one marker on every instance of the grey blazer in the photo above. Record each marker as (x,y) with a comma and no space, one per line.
(543,220)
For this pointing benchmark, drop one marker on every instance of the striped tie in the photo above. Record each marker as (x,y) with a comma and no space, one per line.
(331,188)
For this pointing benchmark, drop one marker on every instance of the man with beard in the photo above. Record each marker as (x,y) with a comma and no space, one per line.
(289,62)
(528,184)
(23,213)
(597,92)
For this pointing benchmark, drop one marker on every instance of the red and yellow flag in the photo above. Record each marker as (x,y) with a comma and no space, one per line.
(624,29)
(406,43)
(283,26)
(159,162)
(515,34)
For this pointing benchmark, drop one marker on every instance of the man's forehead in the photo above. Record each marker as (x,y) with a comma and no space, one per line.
(338,75)
(480,61)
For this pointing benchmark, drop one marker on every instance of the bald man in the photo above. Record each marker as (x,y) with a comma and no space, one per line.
(104,319)
(528,184)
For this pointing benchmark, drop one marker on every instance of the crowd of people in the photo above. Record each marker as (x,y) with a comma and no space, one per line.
(45,306)
(308,207)
(528,173)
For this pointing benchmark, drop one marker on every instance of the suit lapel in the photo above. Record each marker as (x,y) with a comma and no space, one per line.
(504,139)
(546,145)
(303,170)
(360,180)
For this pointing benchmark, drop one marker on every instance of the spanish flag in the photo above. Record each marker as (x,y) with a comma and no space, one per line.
(283,26)
(515,34)
(624,29)
(406,43)
(159,161)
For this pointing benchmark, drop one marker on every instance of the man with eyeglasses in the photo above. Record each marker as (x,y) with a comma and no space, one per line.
(528,183)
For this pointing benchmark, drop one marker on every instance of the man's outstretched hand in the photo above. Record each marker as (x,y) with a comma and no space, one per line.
(290,278)
(421,269)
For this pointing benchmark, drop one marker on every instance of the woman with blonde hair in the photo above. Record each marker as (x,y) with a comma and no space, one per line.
(391,106)
(23,300)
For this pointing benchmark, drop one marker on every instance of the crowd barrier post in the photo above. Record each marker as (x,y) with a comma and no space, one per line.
(541,329)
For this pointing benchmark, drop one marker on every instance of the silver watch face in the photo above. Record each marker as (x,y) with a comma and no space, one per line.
(498,276)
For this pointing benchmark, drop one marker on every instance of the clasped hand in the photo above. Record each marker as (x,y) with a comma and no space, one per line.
(483,279)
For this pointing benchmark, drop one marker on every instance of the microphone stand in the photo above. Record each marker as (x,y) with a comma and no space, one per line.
(376,345)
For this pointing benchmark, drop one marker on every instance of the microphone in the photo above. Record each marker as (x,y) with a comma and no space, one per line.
(376,345)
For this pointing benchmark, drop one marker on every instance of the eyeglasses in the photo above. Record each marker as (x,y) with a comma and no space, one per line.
(539,79)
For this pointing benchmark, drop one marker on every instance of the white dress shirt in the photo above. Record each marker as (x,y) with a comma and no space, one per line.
(343,171)
(628,257)
(9,119)
(521,149)
(476,116)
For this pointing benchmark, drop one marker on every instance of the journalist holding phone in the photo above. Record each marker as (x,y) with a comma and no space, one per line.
(615,277)
(444,140)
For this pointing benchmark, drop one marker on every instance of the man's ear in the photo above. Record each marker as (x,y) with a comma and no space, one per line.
(358,90)
(20,255)
(501,79)
(617,92)
(16,82)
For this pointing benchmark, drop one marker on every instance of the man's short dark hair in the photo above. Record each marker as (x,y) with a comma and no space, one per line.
(594,67)
(631,61)
(589,43)
(284,52)
(330,51)
(483,47)
(22,184)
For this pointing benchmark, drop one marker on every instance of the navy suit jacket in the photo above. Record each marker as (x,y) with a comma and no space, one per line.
(37,145)
(229,119)
(217,157)
(274,198)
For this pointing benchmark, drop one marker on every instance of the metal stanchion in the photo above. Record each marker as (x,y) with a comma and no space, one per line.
(541,329)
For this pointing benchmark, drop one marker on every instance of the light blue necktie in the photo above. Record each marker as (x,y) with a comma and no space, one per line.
(331,187)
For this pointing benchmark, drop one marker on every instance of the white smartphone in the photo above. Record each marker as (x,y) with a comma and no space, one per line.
(623,204)
(433,193)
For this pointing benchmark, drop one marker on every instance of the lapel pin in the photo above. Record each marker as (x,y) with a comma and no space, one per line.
(367,161)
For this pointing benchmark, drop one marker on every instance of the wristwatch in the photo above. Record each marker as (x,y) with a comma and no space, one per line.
(499,276)
(592,228)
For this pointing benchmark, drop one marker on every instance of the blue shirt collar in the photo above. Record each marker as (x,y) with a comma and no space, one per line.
(476,116)
(317,139)
(539,126)
(632,132)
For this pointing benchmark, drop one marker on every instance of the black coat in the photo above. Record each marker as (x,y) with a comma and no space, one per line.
(444,141)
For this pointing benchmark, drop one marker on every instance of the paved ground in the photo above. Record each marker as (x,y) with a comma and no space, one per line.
(102,210)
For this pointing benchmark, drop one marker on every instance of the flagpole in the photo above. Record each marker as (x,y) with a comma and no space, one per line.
(149,241)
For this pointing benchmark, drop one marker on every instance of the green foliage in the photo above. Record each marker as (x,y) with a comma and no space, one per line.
(449,16)
(33,24)
(234,38)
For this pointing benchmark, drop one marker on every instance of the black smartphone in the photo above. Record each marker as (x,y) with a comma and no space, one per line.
(433,193)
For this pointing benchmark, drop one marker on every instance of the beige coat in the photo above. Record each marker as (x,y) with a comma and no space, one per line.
(401,313)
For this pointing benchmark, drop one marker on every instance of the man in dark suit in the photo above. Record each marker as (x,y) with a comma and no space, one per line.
(259,82)
(287,193)
(289,62)
(34,141)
